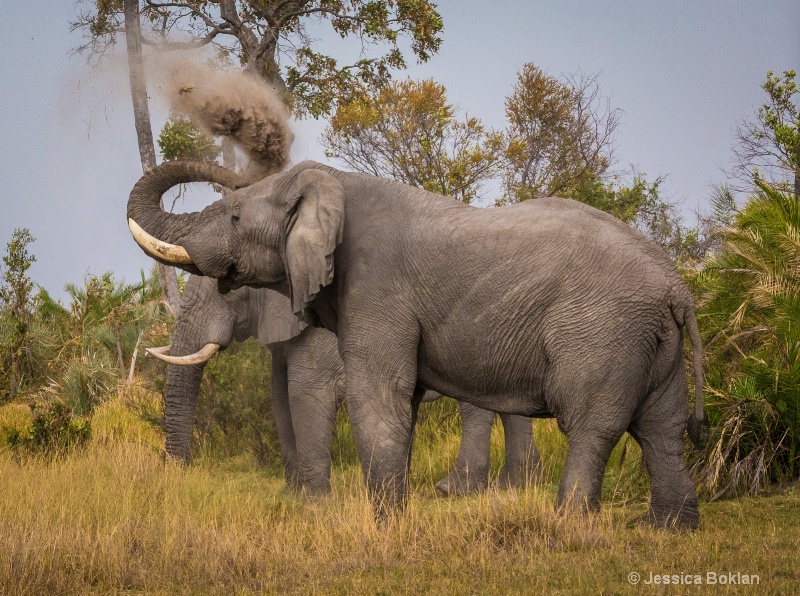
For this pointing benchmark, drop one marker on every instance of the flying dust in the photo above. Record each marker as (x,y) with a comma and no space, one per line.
(230,104)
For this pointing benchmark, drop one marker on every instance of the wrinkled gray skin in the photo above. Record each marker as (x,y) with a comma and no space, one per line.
(307,388)
(548,308)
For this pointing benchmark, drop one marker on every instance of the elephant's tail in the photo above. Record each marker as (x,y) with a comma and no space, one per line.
(698,419)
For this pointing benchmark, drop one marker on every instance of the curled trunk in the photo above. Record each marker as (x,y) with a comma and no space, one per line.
(168,228)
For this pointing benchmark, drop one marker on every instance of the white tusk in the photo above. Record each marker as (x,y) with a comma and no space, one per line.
(171,253)
(204,355)
(163,350)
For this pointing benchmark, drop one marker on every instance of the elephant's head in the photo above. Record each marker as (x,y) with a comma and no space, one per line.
(279,232)
(209,322)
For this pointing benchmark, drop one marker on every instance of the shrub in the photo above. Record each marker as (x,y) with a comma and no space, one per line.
(750,306)
(52,430)
(234,410)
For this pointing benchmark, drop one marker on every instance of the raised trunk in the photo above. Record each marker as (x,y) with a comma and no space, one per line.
(174,229)
(144,131)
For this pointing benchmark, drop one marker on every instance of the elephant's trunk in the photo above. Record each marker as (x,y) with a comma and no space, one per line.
(183,387)
(183,382)
(160,234)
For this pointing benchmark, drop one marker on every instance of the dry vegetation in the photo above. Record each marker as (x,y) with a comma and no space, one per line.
(114,517)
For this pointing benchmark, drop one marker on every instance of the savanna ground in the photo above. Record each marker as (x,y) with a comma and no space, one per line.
(114,517)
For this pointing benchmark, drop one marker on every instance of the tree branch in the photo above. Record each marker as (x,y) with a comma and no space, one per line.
(185,45)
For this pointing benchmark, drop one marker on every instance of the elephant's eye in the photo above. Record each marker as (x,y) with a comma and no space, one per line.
(235,218)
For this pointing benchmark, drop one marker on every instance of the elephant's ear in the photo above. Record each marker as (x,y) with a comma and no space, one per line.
(277,323)
(315,229)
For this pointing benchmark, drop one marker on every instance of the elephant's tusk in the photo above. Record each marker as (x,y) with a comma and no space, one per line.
(163,350)
(204,355)
(171,253)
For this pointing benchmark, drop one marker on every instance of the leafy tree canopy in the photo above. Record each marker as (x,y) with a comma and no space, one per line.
(560,134)
(769,145)
(16,287)
(180,138)
(410,132)
(270,38)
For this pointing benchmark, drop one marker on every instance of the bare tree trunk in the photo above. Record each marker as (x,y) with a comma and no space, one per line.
(120,359)
(133,358)
(12,376)
(144,131)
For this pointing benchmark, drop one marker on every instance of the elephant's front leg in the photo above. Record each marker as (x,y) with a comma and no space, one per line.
(471,472)
(313,405)
(522,465)
(282,415)
(380,397)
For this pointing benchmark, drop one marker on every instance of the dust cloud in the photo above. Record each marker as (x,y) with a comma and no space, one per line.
(230,104)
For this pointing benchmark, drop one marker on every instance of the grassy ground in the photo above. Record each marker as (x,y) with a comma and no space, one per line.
(116,518)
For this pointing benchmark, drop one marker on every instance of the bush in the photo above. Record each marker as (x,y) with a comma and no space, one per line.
(750,305)
(52,430)
(234,409)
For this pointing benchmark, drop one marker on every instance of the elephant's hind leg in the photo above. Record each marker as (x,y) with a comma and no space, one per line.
(582,482)
(593,397)
(658,428)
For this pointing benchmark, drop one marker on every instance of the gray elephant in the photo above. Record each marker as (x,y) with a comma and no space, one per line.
(307,388)
(548,308)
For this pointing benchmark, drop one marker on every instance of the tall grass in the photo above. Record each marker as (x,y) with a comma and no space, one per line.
(116,517)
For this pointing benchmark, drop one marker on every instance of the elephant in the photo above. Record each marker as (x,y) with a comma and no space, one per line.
(307,386)
(546,308)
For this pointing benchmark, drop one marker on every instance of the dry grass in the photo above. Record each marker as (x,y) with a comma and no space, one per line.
(116,518)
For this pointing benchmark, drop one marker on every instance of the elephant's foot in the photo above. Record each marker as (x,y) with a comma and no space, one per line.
(293,486)
(681,519)
(316,491)
(462,482)
(519,476)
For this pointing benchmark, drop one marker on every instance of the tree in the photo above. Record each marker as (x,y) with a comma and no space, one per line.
(144,130)
(260,34)
(181,139)
(410,132)
(108,321)
(769,145)
(560,134)
(15,297)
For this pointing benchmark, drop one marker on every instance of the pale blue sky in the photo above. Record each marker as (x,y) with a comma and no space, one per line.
(683,72)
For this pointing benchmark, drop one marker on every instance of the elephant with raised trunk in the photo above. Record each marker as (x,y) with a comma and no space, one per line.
(548,308)
(307,388)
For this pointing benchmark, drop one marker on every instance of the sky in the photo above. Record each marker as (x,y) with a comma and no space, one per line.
(683,73)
